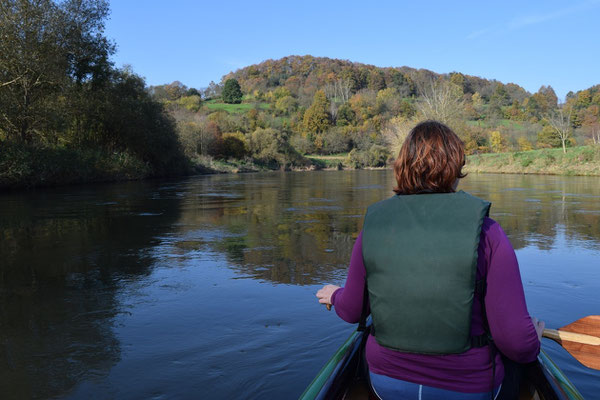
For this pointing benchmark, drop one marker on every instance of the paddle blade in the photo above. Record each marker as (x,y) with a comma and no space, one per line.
(587,354)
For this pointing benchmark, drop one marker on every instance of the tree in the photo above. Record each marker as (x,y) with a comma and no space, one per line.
(175,90)
(591,123)
(560,120)
(45,48)
(441,100)
(345,115)
(376,80)
(498,100)
(497,142)
(546,138)
(316,117)
(232,92)
(213,90)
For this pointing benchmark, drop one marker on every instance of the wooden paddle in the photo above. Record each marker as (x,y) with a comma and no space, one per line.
(581,339)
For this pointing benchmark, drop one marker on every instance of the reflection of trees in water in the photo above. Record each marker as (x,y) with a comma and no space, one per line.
(294,228)
(63,253)
(534,209)
(284,228)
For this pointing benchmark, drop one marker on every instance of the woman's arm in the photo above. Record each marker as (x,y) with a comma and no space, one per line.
(348,300)
(510,323)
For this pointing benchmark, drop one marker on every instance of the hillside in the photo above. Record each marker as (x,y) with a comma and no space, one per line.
(300,106)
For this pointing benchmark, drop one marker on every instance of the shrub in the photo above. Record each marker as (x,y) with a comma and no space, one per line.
(234,145)
(524,144)
(335,141)
(302,144)
(376,156)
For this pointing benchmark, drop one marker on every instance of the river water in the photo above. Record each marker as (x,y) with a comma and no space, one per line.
(204,287)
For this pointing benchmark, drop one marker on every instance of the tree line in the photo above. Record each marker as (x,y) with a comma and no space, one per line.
(61,94)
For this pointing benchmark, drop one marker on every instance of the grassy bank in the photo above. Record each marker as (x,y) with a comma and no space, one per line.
(583,160)
(332,161)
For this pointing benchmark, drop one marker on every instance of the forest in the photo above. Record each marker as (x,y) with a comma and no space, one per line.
(68,115)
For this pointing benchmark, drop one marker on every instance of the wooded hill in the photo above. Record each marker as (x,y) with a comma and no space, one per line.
(302,105)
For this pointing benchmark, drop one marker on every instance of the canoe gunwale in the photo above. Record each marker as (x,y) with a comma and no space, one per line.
(329,382)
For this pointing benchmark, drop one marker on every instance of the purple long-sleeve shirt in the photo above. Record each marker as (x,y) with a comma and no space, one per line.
(471,371)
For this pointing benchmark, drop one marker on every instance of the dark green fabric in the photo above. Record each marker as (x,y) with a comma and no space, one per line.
(420,254)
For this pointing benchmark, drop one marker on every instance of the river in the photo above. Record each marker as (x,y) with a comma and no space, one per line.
(204,287)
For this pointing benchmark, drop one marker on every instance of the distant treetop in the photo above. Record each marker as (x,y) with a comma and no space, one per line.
(232,92)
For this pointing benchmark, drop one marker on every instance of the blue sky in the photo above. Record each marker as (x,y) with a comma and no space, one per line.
(530,43)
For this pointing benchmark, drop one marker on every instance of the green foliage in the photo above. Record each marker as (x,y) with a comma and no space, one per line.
(316,117)
(302,144)
(286,105)
(335,141)
(190,103)
(234,145)
(548,138)
(60,95)
(42,57)
(280,93)
(271,147)
(375,156)
(345,115)
(29,165)
(232,92)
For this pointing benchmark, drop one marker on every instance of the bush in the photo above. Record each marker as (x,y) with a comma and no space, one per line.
(302,144)
(190,103)
(335,141)
(234,145)
(547,138)
(376,156)
(524,144)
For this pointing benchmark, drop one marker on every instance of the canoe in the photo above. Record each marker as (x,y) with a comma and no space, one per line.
(344,377)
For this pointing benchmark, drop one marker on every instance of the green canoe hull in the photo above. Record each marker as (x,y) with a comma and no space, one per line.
(344,377)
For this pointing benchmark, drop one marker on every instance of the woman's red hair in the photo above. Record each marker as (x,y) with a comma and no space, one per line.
(430,160)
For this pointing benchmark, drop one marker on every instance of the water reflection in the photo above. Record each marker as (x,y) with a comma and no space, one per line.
(65,253)
(300,228)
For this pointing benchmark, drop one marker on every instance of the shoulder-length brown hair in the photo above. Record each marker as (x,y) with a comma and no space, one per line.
(430,160)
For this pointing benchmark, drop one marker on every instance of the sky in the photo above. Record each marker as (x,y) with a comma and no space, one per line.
(530,43)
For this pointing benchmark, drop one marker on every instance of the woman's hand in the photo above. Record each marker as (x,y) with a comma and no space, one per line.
(539,326)
(324,294)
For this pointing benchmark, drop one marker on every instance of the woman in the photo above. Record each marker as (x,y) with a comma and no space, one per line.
(429,256)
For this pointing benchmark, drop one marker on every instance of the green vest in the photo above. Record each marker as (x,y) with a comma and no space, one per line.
(420,254)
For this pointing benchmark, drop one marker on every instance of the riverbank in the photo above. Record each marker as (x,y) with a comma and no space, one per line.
(28,167)
(582,160)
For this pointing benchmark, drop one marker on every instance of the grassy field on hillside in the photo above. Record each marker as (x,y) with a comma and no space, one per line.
(581,160)
(234,108)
